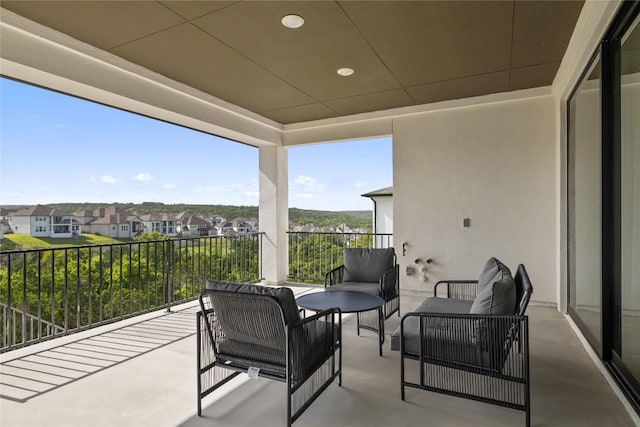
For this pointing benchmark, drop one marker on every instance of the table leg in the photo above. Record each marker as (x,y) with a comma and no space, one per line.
(380,329)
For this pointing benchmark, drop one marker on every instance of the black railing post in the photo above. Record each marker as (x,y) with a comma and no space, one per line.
(169,270)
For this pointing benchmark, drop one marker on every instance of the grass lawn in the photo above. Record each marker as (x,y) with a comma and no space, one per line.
(21,241)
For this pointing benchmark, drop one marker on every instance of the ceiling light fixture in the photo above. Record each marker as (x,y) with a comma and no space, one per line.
(292,21)
(345,72)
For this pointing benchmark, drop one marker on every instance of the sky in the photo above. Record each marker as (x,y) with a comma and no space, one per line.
(56,148)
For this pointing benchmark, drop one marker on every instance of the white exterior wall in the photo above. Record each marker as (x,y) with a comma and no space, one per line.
(21,225)
(27,225)
(101,229)
(123,234)
(491,163)
(383,214)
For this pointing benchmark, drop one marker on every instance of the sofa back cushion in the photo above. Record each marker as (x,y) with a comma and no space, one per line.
(284,296)
(496,290)
(367,265)
(491,268)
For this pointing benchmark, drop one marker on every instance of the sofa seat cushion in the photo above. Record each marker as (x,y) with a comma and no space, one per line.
(497,294)
(367,265)
(250,354)
(430,305)
(311,346)
(368,288)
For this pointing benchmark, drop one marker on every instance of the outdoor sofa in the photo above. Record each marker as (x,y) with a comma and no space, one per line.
(473,343)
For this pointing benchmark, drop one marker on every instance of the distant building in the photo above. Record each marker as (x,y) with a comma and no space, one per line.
(4,222)
(217,220)
(164,224)
(382,214)
(192,225)
(43,221)
(241,226)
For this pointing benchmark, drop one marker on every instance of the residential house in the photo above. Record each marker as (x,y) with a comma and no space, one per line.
(193,225)
(164,224)
(114,222)
(43,221)
(241,226)
(4,222)
(225,229)
(86,216)
(217,220)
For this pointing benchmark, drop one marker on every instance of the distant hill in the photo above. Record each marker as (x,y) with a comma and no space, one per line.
(353,219)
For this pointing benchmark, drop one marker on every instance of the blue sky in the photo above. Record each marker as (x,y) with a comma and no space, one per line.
(56,148)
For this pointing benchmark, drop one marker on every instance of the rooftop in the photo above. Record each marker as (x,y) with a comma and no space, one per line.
(142,372)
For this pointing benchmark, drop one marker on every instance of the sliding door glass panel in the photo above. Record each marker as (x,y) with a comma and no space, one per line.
(585,206)
(630,221)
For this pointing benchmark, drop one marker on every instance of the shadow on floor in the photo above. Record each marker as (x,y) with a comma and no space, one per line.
(38,373)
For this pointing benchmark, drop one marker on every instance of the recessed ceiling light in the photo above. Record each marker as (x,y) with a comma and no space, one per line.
(345,72)
(292,21)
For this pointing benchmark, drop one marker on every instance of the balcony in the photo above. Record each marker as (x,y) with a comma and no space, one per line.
(117,346)
(141,371)
(463,148)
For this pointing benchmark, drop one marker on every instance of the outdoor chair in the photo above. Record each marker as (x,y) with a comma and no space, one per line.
(373,271)
(258,330)
(465,343)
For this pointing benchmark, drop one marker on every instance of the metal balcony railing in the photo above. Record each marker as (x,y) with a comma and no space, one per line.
(46,293)
(312,254)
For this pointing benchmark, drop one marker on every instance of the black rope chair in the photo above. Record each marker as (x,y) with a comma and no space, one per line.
(373,271)
(257,330)
(471,355)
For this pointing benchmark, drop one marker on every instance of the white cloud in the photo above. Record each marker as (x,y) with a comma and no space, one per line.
(302,180)
(305,196)
(59,125)
(307,184)
(251,189)
(143,176)
(306,187)
(168,186)
(107,179)
(360,184)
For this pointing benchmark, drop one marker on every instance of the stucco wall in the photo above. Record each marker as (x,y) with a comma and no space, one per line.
(491,163)
(384,214)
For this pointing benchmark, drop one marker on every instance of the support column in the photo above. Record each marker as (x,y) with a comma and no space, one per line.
(274,213)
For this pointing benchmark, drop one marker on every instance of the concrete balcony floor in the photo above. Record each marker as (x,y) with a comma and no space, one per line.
(142,373)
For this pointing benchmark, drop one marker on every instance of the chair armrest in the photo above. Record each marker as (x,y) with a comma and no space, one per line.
(312,341)
(389,283)
(458,289)
(334,276)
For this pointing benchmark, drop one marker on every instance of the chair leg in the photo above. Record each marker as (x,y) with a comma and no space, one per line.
(401,377)
(288,399)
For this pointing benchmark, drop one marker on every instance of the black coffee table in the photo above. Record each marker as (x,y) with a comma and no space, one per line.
(347,302)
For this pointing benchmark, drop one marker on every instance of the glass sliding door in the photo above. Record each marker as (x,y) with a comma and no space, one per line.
(604,201)
(627,312)
(585,205)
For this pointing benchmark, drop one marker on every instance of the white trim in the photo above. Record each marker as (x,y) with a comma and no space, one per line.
(604,371)
(420,109)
